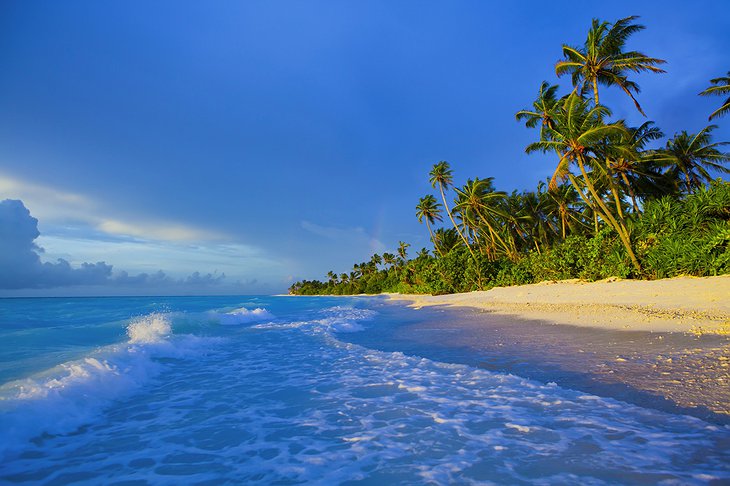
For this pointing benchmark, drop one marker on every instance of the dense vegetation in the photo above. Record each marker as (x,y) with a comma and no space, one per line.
(615,205)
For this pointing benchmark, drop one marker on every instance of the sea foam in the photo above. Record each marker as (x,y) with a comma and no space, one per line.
(61,399)
(243,315)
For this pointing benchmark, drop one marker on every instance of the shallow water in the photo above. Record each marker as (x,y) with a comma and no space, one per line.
(194,390)
(675,372)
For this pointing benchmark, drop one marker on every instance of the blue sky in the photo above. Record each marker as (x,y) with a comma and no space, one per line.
(277,140)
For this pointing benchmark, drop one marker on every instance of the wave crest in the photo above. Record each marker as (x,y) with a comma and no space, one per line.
(74,393)
(243,315)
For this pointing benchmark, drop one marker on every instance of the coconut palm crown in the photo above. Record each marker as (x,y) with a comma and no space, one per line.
(430,210)
(542,108)
(602,59)
(721,88)
(691,157)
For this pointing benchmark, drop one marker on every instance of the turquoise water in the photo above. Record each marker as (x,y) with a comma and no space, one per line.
(276,390)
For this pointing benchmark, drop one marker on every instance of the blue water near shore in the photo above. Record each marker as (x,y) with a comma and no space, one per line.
(196,390)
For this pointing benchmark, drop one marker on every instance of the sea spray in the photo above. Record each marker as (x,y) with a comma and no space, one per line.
(60,400)
(151,328)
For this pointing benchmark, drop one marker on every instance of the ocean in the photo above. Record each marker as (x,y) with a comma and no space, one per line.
(291,390)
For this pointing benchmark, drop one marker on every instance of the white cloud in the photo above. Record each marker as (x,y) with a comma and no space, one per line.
(51,205)
(228,266)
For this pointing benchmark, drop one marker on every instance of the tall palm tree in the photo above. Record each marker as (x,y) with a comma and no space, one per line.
(430,210)
(440,176)
(579,137)
(692,156)
(721,88)
(602,59)
(542,108)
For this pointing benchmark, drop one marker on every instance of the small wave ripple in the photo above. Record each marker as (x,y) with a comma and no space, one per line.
(242,315)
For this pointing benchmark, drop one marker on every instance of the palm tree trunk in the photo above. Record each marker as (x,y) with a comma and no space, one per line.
(448,211)
(606,214)
(632,194)
(689,182)
(617,201)
(494,236)
(595,90)
(433,239)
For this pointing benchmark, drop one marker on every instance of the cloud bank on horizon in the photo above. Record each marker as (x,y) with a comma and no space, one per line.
(22,268)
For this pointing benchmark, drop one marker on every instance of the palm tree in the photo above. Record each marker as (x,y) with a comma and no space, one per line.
(389,259)
(528,219)
(543,108)
(579,137)
(376,260)
(445,240)
(560,203)
(429,210)
(441,175)
(402,249)
(721,88)
(602,61)
(633,165)
(479,204)
(691,156)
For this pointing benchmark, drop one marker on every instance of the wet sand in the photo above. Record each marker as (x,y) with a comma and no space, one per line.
(594,338)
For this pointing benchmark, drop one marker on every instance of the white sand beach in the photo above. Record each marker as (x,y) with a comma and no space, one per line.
(681,304)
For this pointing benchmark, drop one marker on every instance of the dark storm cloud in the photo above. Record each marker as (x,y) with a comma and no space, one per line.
(21,266)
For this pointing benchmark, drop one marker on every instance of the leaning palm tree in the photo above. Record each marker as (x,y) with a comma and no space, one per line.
(440,176)
(602,59)
(721,88)
(429,210)
(580,137)
(692,156)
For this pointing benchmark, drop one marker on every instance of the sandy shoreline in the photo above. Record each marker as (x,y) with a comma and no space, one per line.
(682,304)
(667,341)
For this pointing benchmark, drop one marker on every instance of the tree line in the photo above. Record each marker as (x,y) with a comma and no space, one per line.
(619,203)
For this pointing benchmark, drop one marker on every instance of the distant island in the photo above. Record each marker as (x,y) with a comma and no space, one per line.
(619,204)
